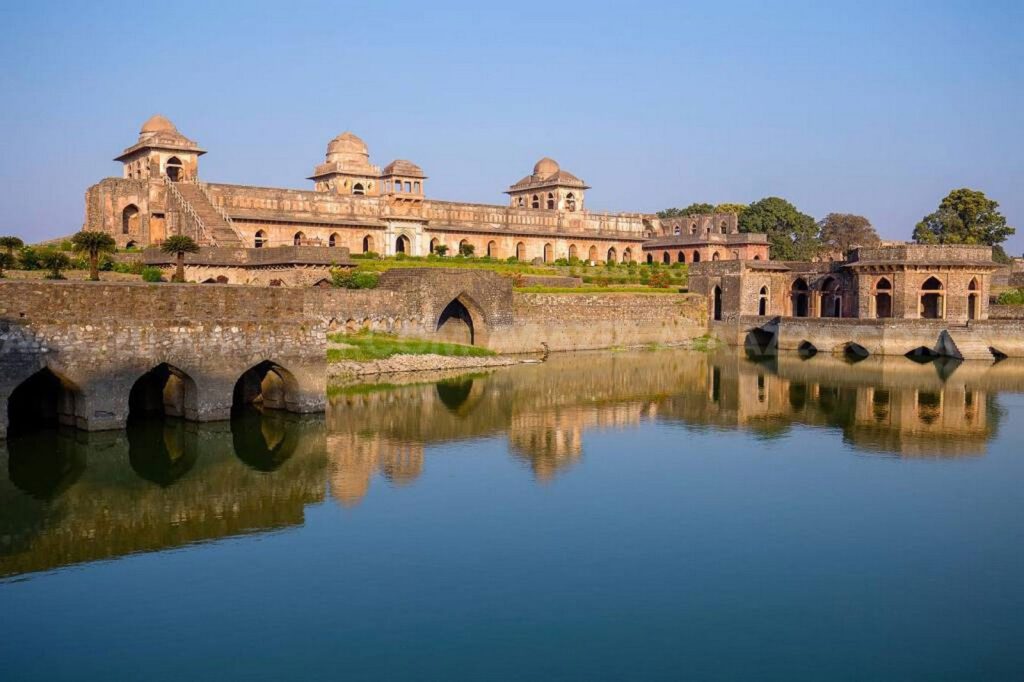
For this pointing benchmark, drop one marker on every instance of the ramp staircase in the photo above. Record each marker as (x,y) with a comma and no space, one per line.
(965,344)
(213,225)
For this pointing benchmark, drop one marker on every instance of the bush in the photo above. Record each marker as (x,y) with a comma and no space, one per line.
(30,258)
(467,250)
(152,275)
(561,261)
(660,279)
(1011,297)
(511,259)
(353,279)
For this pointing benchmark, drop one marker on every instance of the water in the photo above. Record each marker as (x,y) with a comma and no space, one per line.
(649,515)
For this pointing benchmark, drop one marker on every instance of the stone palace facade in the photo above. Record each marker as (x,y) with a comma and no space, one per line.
(365,208)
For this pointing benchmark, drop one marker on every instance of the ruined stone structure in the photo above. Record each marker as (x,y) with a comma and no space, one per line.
(357,205)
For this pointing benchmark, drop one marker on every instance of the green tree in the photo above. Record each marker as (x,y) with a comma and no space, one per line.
(441,250)
(738,209)
(466,250)
(93,244)
(843,231)
(965,216)
(179,245)
(10,243)
(692,209)
(56,262)
(792,235)
(6,262)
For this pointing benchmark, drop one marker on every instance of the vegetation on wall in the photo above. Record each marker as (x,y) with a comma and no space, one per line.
(1011,297)
(365,346)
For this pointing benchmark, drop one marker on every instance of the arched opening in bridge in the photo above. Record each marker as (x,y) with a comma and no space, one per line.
(799,295)
(298,238)
(611,255)
(549,253)
(174,169)
(883,298)
(831,298)
(265,385)
(680,257)
(972,299)
(44,400)
(260,240)
(520,251)
(665,258)
(572,252)
(130,219)
(163,391)
(932,299)
(762,301)
(492,249)
(332,241)
(716,303)
(402,244)
(455,324)
(367,244)
(696,257)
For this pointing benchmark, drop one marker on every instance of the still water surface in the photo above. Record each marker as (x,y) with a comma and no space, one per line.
(657,515)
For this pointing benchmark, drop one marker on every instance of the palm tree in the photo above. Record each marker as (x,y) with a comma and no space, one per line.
(11,243)
(55,261)
(93,243)
(6,262)
(179,245)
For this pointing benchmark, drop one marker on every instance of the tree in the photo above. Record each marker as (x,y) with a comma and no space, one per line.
(441,249)
(179,245)
(965,216)
(466,250)
(692,209)
(6,262)
(843,231)
(792,235)
(93,243)
(56,262)
(738,209)
(10,243)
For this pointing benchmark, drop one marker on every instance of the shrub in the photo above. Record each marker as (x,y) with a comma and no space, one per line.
(353,279)
(660,279)
(152,275)
(30,258)
(466,250)
(511,259)
(1011,297)
(56,262)
(561,261)
(401,256)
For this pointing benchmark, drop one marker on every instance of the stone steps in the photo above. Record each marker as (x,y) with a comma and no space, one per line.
(966,345)
(217,229)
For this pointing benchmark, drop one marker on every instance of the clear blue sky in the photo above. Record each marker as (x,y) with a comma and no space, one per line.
(878,109)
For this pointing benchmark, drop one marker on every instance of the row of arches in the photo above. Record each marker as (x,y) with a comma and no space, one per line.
(723,228)
(48,400)
(931,298)
(550,202)
(491,250)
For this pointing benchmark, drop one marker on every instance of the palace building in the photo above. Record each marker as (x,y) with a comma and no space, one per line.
(360,206)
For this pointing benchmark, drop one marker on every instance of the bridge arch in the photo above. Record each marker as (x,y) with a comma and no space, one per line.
(265,385)
(165,390)
(43,400)
(461,321)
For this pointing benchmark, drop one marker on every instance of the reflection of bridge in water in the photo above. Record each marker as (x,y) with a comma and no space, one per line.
(72,497)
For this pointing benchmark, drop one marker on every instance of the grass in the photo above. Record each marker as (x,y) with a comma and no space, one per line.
(706,343)
(367,346)
(638,289)
(385,264)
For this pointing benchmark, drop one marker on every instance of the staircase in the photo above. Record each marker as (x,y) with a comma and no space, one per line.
(965,344)
(213,224)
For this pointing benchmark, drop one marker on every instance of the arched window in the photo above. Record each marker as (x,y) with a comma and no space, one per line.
(333,239)
(693,228)
(716,302)
(367,244)
(572,251)
(464,248)
(696,257)
(434,243)
(714,256)
(757,257)
(261,239)
(933,301)
(611,255)
(799,295)
(680,257)
(298,238)
(535,201)
(762,301)
(551,200)
(665,258)
(722,227)
(627,255)
(592,254)
(549,253)
(358,188)
(972,299)
(520,202)
(408,187)
(417,187)
(130,219)
(520,251)
(883,298)
(676,230)
(174,169)
(570,201)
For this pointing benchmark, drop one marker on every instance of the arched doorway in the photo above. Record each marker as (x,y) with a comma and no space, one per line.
(680,257)
(520,251)
(762,301)
(130,219)
(932,299)
(41,401)
(260,239)
(174,169)
(402,244)
(492,249)
(696,257)
(611,255)
(714,256)
(831,298)
(164,391)
(650,258)
(455,324)
(592,254)
(332,241)
(972,299)
(717,303)
(549,253)
(572,251)
(434,243)
(298,238)
(799,296)
(627,255)
(265,385)
(665,258)
(367,244)
(883,298)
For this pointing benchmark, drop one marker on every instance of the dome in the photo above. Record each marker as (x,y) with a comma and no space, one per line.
(545,167)
(347,148)
(158,124)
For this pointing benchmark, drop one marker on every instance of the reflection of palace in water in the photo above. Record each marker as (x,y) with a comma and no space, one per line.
(72,497)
